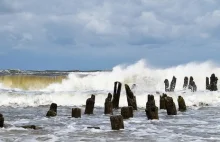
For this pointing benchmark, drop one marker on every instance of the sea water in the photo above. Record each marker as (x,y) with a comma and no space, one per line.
(25,97)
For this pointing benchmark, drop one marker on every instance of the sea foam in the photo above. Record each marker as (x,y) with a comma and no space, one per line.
(75,88)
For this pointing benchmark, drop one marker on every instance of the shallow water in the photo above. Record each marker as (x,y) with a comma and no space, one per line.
(201,124)
(25,100)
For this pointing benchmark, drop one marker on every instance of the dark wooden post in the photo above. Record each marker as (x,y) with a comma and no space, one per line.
(1,121)
(185,84)
(190,82)
(90,102)
(76,112)
(173,84)
(162,101)
(166,82)
(127,112)
(181,103)
(170,106)
(151,108)
(131,99)
(53,110)
(207,84)
(117,122)
(116,95)
(108,104)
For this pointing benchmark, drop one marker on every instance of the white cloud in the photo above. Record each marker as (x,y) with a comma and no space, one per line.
(69,25)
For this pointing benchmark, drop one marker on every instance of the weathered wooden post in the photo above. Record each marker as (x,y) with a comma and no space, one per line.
(53,107)
(190,83)
(181,103)
(207,84)
(127,112)
(116,95)
(53,110)
(170,106)
(1,121)
(131,99)
(185,84)
(166,82)
(90,102)
(108,104)
(173,84)
(117,122)
(76,112)
(151,108)
(213,83)
(162,101)
(194,87)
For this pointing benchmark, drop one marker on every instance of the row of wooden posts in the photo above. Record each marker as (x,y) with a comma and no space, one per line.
(190,84)
(117,123)
(110,104)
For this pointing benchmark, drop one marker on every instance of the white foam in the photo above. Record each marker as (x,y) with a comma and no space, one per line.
(144,76)
(76,89)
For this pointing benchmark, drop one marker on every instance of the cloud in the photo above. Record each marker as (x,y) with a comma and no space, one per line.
(100,27)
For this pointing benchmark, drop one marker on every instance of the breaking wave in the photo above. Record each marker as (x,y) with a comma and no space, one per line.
(75,88)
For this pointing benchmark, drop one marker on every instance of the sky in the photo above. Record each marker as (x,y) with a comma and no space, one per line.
(100,34)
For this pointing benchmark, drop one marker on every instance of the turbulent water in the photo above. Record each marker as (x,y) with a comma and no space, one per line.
(25,97)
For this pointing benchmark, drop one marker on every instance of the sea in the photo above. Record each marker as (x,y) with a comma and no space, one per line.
(26,95)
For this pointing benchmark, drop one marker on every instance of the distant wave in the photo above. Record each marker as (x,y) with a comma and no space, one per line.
(144,76)
(76,87)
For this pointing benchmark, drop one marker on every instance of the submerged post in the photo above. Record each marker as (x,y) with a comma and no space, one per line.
(207,84)
(190,83)
(185,84)
(213,83)
(170,106)
(162,101)
(116,95)
(151,109)
(90,102)
(117,122)
(1,121)
(166,82)
(173,84)
(76,112)
(53,110)
(131,99)
(127,112)
(194,87)
(181,103)
(108,104)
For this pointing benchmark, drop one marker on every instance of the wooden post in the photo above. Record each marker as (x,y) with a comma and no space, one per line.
(170,106)
(181,103)
(53,110)
(127,112)
(173,84)
(131,99)
(76,112)
(162,101)
(207,84)
(108,104)
(151,108)
(185,84)
(116,95)
(166,82)
(1,121)
(90,102)
(117,122)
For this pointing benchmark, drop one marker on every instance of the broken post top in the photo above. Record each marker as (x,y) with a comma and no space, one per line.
(166,80)
(116,94)
(109,97)
(93,97)
(128,91)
